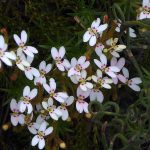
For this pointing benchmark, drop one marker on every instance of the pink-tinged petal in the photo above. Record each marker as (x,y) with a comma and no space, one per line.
(24,36)
(98,49)
(54,53)
(43,126)
(96,23)
(89,85)
(100,96)
(135,87)
(79,107)
(71,72)
(114,68)
(106,86)
(74,79)
(2,42)
(21,119)
(17,39)
(28,52)
(14,120)
(33,94)
(53,116)
(26,91)
(47,88)
(92,40)
(115,54)
(52,84)
(22,107)
(115,80)
(62,94)
(62,51)
(13,105)
(35,72)
(81,60)
(45,105)
(125,72)
(10,55)
(103,59)
(73,62)
(50,101)
(25,63)
(48,68)
(32,129)
(122,78)
(83,93)
(83,87)
(48,131)
(58,112)
(65,114)
(120,64)
(85,65)
(42,65)
(85,107)
(111,74)
(60,67)
(30,108)
(98,63)
(93,95)
(28,75)
(35,140)
(136,80)
(30,59)
(41,144)
(69,101)
(145,3)
(66,64)
(83,74)
(6,60)
(40,119)
(32,49)
(101,28)
(86,36)
(59,99)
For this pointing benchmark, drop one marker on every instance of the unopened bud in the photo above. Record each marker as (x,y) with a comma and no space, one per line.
(88,115)
(69,119)
(62,145)
(5,127)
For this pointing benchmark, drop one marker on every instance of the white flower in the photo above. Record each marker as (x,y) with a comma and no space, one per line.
(16,116)
(21,62)
(146,10)
(58,57)
(102,64)
(63,107)
(42,117)
(97,95)
(44,69)
(5,57)
(81,104)
(78,65)
(27,97)
(83,82)
(94,32)
(41,133)
(119,64)
(31,72)
(114,49)
(28,50)
(132,83)
(59,96)
(99,48)
(103,82)
(52,110)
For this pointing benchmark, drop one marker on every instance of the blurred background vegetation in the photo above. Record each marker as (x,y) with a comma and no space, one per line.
(122,122)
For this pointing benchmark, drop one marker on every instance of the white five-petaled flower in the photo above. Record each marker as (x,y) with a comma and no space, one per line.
(114,49)
(58,57)
(119,64)
(145,13)
(52,110)
(63,107)
(21,61)
(94,32)
(132,83)
(102,81)
(27,97)
(51,88)
(31,72)
(44,69)
(5,57)
(78,65)
(21,42)
(81,104)
(16,116)
(40,134)
(102,64)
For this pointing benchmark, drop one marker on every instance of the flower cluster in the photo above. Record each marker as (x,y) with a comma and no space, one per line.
(38,112)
